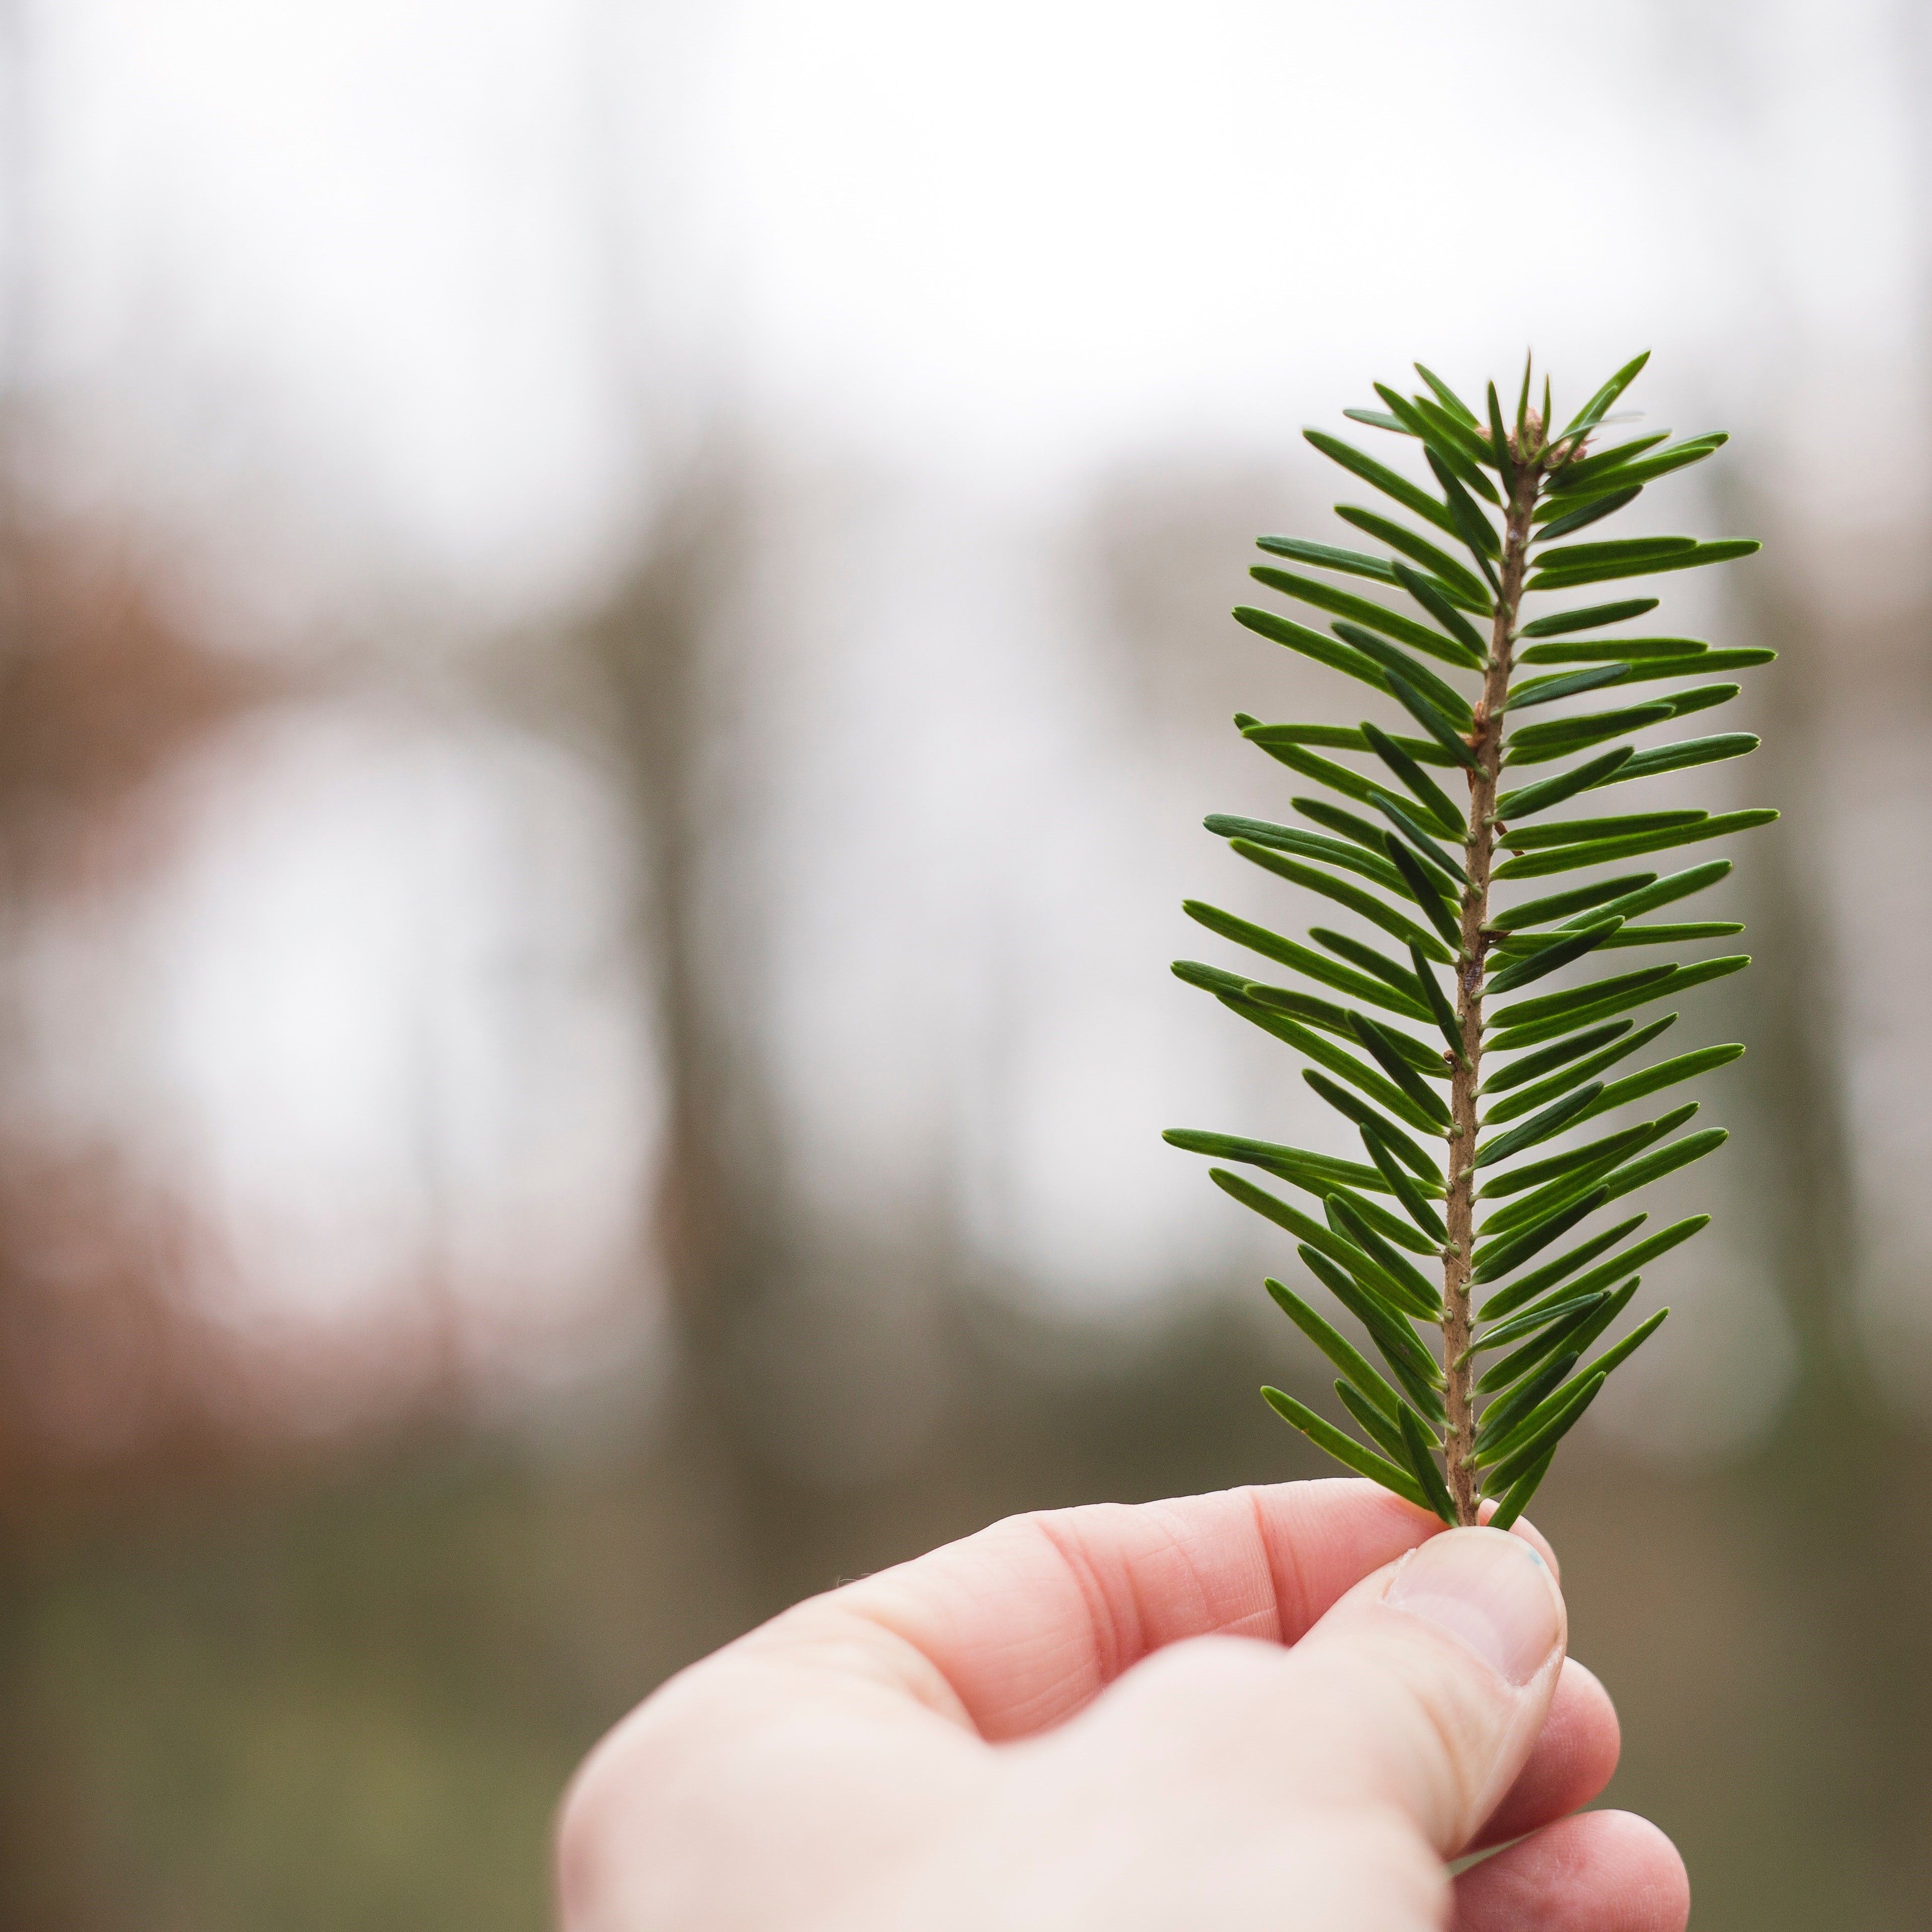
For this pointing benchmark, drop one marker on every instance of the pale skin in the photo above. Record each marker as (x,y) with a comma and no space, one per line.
(1269,1709)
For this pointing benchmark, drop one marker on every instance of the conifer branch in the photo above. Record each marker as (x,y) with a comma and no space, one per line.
(1495,1427)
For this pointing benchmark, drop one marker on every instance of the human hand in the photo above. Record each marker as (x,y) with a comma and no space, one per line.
(1056,1724)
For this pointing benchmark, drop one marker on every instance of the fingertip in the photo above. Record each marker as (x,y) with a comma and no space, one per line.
(1524,1529)
(1659,1878)
(1583,1730)
(1646,1869)
(1587,1711)
(1496,1598)
(1531,1534)
(1573,1758)
(1600,1871)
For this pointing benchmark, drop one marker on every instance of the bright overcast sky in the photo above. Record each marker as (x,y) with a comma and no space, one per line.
(419,256)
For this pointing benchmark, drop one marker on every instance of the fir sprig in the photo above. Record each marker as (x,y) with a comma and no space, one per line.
(1445,798)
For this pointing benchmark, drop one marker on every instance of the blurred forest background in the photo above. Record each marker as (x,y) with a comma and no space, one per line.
(612,645)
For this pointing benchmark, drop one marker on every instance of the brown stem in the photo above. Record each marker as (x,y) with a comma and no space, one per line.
(1486,740)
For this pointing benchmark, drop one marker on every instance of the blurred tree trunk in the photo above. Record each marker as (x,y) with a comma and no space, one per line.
(718,1221)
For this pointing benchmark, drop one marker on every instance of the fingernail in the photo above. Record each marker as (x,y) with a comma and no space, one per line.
(1491,1591)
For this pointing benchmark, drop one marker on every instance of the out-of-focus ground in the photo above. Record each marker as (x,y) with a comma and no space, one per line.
(612,644)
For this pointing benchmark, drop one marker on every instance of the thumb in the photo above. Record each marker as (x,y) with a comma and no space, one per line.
(1425,1686)
(1420,1693)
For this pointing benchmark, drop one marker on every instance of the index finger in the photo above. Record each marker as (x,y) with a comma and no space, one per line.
(1015,1629)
